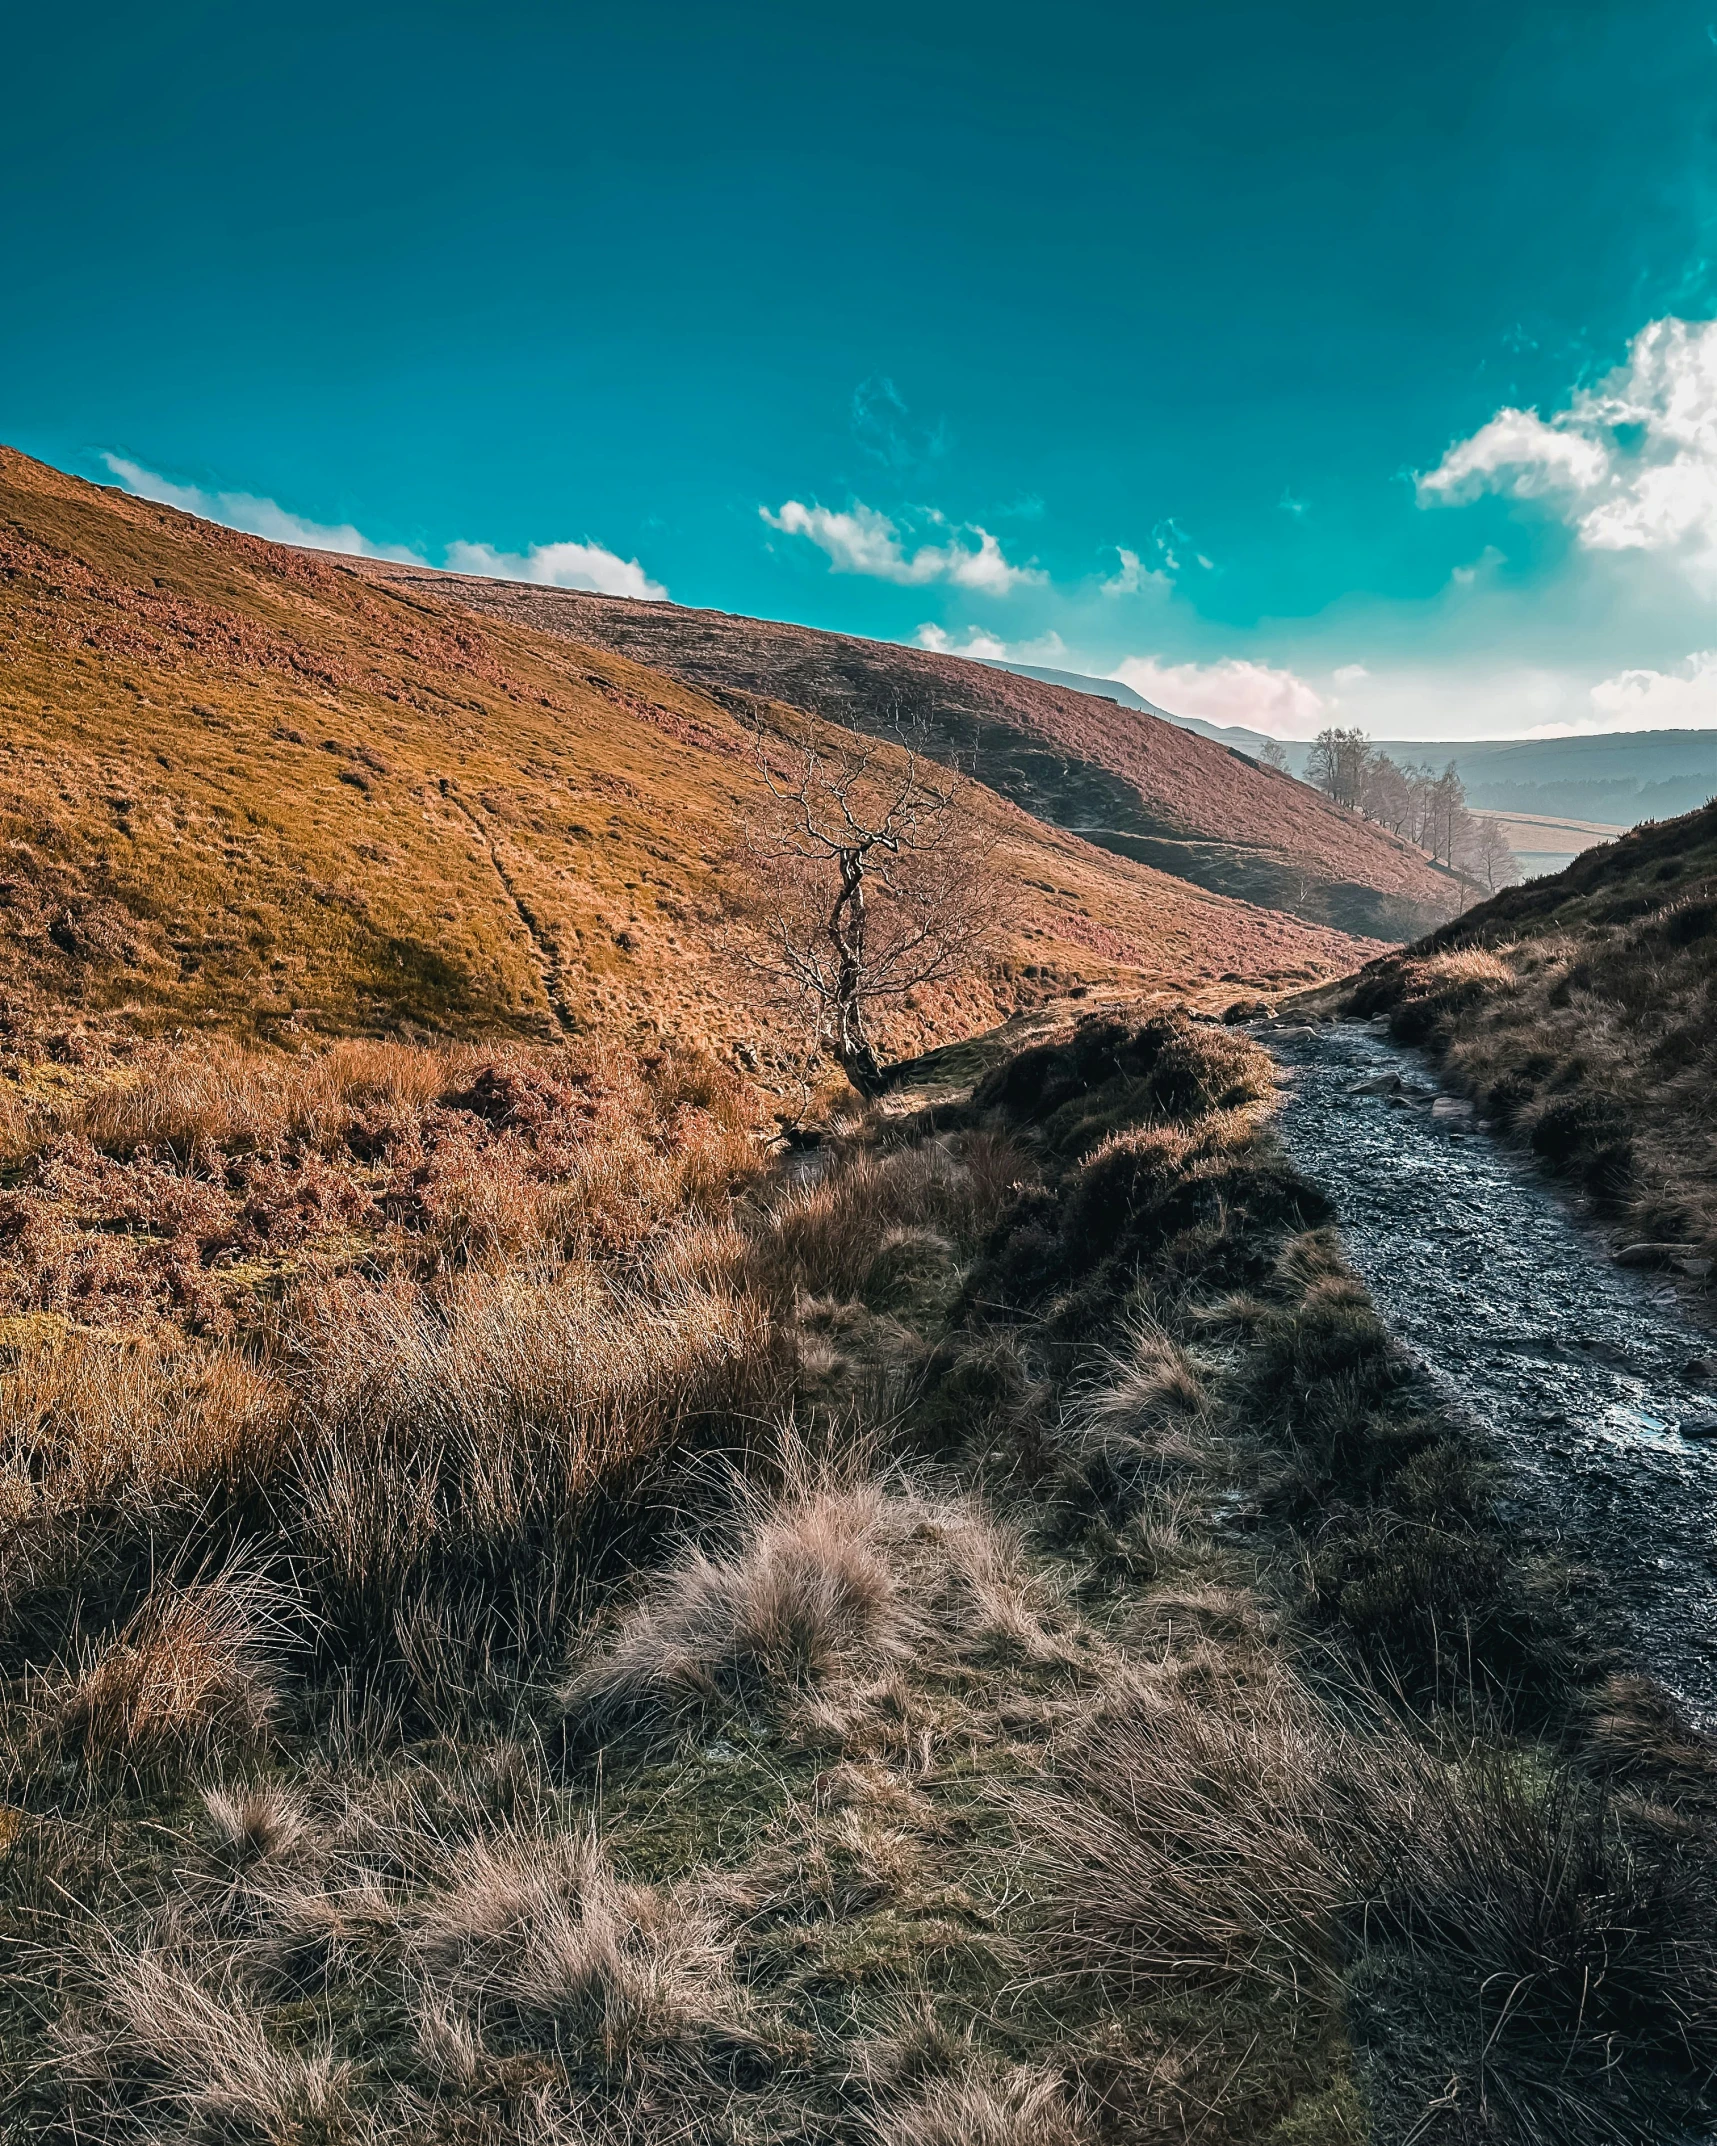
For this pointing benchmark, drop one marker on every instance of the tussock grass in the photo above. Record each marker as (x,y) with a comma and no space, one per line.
(193,1677)
(827,1583)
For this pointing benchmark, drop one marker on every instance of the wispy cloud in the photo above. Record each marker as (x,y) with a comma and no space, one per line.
(1047,648)
(1133,577)
(1256,696)
(257,517)
(556,566)
(863,541)
(561,566)
(1630,463)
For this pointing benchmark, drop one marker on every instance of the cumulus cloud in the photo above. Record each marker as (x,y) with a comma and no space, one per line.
(862,541)
(558,566)
(1047,648)
(257,517)
(1350,674)
(1661,700)
(1631,461)
(1256,696)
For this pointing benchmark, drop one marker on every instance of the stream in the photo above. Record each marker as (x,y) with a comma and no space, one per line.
(1593,1383)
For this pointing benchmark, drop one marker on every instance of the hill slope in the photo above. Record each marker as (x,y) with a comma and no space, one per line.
(1582,1012)
(1123,778)
(245,785)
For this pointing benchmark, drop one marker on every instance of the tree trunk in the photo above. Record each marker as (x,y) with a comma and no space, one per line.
(853,1046)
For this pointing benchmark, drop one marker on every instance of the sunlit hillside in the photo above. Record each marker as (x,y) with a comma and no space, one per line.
(1136,785)
(246,785)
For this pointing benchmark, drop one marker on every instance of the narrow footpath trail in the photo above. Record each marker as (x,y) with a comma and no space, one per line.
(1591,1380)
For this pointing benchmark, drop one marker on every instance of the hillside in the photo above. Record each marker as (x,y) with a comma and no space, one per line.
(246,785)
(1120,777)
(1581,1012)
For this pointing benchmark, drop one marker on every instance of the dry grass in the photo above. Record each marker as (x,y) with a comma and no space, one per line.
(246,787)
(1577,1011)
(1042,1794)
(158,2050)
(1023,2106)
(826,1584)
(192,1678)
(538,1938)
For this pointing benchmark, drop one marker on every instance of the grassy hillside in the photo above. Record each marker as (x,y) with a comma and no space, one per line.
(244,785)
(1581,1011)
(1138,786)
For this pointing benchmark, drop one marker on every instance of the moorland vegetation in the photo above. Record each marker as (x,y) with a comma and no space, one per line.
(970,1631)
(1580,1013)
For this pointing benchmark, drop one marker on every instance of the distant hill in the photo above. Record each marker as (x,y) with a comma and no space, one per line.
(1617,777)
(249,786)
(1120,777)
(1229,734)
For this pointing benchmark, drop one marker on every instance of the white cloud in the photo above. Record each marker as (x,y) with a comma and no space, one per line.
(559,566)
(863,541)
(1516,452)
(1047,648)
(1633,461)
(1350,674)
(1661,700)
(1133,576)
(257,517)
(1255,695)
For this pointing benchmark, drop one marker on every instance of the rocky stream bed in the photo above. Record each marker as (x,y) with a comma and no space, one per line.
(1595,1383)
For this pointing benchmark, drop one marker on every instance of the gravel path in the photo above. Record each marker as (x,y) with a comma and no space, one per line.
(1590,1379)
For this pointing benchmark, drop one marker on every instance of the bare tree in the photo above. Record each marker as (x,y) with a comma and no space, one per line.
(1487,854)
(1336,764)
(1272,755)
(874,876)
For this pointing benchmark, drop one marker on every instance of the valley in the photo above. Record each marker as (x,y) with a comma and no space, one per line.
(568,1575)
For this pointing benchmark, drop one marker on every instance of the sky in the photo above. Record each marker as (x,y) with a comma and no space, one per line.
(1293,364)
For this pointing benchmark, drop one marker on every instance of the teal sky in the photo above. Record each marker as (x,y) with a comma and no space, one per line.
(1155,341)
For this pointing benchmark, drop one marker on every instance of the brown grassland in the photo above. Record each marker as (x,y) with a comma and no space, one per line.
(971,1632)
(242,786)
(1139,786)
(1581,1014)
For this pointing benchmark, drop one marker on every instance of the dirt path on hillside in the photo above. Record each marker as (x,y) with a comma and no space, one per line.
(1585,1375)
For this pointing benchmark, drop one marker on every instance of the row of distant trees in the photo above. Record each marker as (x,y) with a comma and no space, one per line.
(1416,801)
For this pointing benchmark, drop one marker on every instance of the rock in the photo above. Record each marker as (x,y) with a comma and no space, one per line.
(1378,1084)
(1695,1266)
(1701,1369)
(1702,1425)
(1451,1110)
